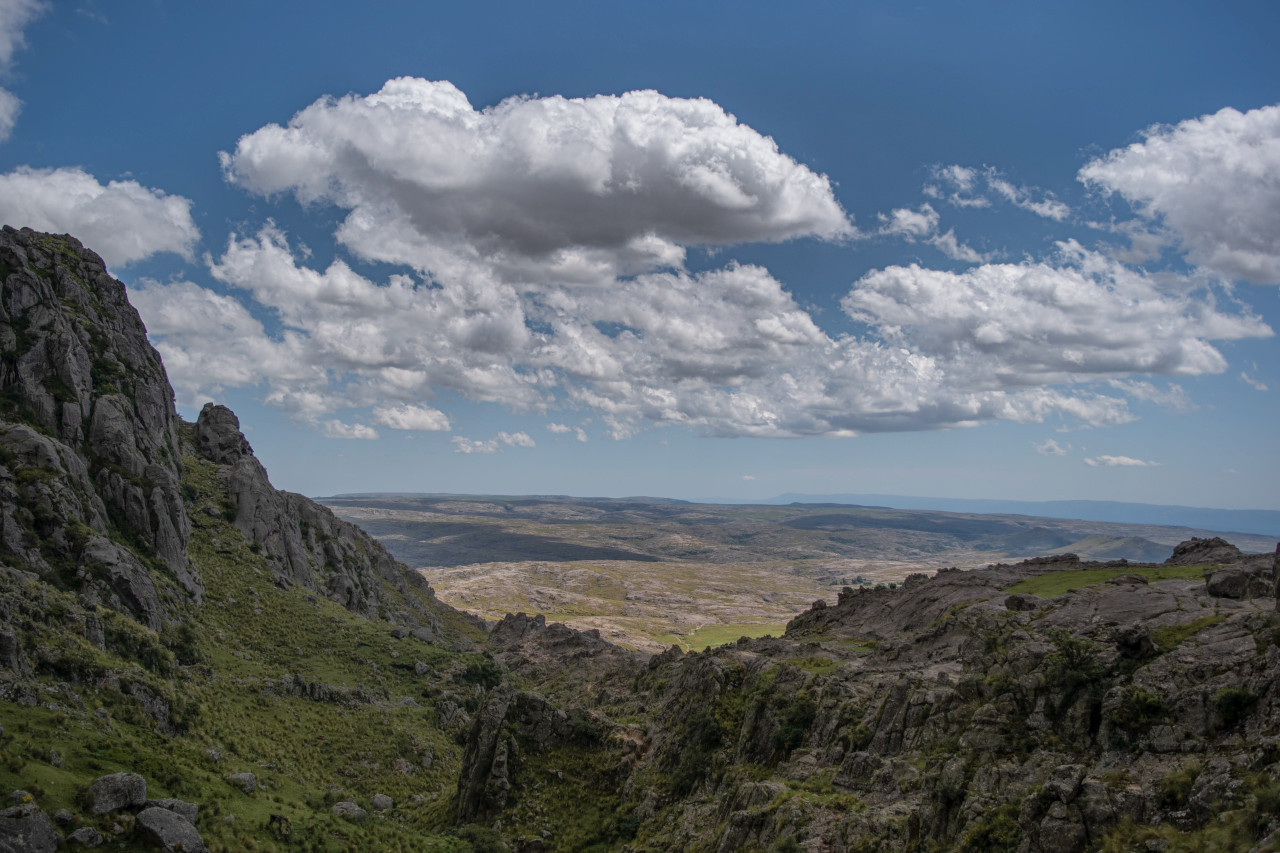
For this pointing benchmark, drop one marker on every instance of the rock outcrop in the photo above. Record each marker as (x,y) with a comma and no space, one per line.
(305,543)
(89,461)
(973,710)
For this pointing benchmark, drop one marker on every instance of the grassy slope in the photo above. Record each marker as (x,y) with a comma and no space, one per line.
(305,754)
(1056,583)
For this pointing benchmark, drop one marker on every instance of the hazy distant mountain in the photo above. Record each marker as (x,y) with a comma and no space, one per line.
(1263,522)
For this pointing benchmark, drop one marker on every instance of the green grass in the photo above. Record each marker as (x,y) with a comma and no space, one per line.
(249,637)
(1168,637)
(1053,584)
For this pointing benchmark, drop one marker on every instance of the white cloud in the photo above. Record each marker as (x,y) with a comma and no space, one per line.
(1041,324)
(405,416)
(14,17)
(1256,384)
(1119,462)
(338,429)
(122,221)
(1049,447)
(957,185)
(1213,181)
(536,188)
(1045,205)
(520,222)
(10,106)
(962,186)
(467,445)
(1172,396)
(492,445)
(748,477)
(921,225)
(517,439)
(580,434)
(210,341)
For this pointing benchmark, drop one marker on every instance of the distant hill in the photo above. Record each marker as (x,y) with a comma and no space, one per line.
(1261,522)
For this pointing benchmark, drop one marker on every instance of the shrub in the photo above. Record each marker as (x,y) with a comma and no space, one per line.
(1234,704)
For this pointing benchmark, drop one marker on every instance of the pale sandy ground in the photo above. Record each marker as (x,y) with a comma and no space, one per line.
(648,606)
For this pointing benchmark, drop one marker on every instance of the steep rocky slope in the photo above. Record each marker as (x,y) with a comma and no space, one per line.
(172,625)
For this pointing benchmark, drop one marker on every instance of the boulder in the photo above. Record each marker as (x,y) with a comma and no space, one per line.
(86,836)
(381,802)
(26,829)
(1228,583)
(246,782)
(168,830)
(350,811)
(117,791)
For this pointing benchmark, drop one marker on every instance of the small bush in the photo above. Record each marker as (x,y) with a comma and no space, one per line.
(1234,704)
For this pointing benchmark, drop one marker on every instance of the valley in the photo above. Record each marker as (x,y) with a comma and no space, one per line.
(650,573)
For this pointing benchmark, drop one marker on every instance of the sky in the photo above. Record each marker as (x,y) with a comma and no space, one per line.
(685,249)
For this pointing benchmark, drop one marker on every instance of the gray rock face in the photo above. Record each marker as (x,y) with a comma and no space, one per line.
(26,829)
(89,466)
(117,791)
(169,831)
(1195,551)
(305,542)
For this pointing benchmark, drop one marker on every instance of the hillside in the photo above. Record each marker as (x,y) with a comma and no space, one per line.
(191,659)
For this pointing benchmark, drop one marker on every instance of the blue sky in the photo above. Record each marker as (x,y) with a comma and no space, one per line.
(999,250)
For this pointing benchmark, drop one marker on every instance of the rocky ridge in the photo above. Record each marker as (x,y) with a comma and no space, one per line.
(1137,708)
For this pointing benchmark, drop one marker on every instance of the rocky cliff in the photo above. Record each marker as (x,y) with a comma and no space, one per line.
(304,542)
(171,620)
(89,457)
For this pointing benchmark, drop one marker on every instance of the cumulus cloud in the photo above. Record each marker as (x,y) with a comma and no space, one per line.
(963,186)
(726,351)
(921,225)
(1118,462)
(338,429)
(536,188)
(1045,324)
(1049,447)
(1213,181)
(540,245)
(123,221)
